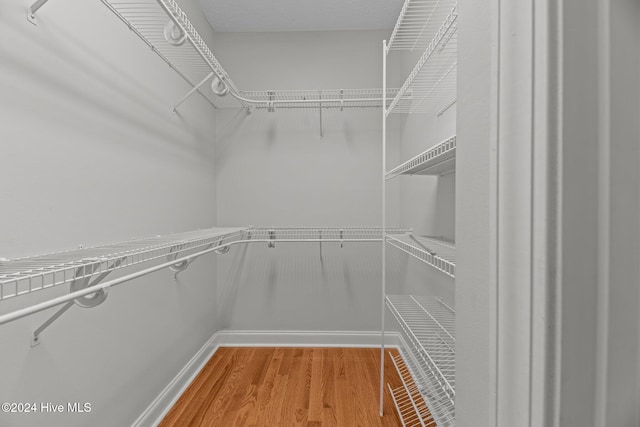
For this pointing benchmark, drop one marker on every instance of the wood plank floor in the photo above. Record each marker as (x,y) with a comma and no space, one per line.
(270,387)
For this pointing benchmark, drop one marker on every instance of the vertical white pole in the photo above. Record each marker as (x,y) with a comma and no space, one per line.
(384,213)
(604,210)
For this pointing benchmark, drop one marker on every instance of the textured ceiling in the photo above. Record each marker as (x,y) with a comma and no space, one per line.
(300,15)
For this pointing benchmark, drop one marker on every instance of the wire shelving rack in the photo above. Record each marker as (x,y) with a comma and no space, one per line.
(429,326)
(437,253)
(439,160)
(195,63)
(407,399)
(429,26)
(22,276)
(30,274)
(417,24)
(431,85)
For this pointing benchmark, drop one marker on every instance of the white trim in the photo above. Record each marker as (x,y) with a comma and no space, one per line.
(494,200)
(604,213)
(345,339)
(157,410)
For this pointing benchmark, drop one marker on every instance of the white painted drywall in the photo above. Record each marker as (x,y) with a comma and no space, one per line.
(91,154)
(273,169)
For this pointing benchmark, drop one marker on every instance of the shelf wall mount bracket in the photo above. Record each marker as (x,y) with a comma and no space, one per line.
(193,90)
(83,280)
(31,11)
(179,267)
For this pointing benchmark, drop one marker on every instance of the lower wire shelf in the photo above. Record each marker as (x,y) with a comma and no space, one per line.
(407,399)
(428,325)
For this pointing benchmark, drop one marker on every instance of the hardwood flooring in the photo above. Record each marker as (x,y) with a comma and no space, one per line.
(273,387)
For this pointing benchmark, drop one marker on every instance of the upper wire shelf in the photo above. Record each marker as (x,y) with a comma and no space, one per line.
(314,99)
(429,325)
(192,59)
(148,19)
(279,234)
(25,275)
(438,160)
(438,253)
(431,85)
(418,22)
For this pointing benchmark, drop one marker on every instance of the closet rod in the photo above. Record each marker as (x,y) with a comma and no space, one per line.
(36,308)
(31,12)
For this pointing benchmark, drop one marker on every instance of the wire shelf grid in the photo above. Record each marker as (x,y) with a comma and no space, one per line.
(441,407)
(25,275)
(407,398)
(418,22)
(327,98)
(194,62)
(147,19)
(431,85)
(321,233)
(437,160)
(429,325)
(439,254)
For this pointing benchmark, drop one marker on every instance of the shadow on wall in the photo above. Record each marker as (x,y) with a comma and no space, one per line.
(229,294)
(298,287)
(88,88)
(226,133)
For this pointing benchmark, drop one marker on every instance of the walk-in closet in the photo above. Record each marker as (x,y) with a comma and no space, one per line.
(416,213)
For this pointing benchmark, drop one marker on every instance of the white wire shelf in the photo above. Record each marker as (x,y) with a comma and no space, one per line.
(431,85)
(25,275)
(418,22)
(315,99)
(438,160)
(313,234)
(148,18)
(196,64)
(441,407)
(438,253)
(429,325)
(407,399)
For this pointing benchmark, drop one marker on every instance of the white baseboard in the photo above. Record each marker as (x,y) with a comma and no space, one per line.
(345,339)
(228,338)
(156,411)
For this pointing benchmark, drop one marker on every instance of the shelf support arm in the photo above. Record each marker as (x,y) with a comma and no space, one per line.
(35,338)
(31,12)
(192,91)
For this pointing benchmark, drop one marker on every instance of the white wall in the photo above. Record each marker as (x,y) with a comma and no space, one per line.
(275,170)
(622,389)
(473,168)
(91,155)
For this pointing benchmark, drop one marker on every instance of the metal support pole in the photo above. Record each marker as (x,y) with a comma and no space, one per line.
(192,91)
(31,12)
(384,216)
